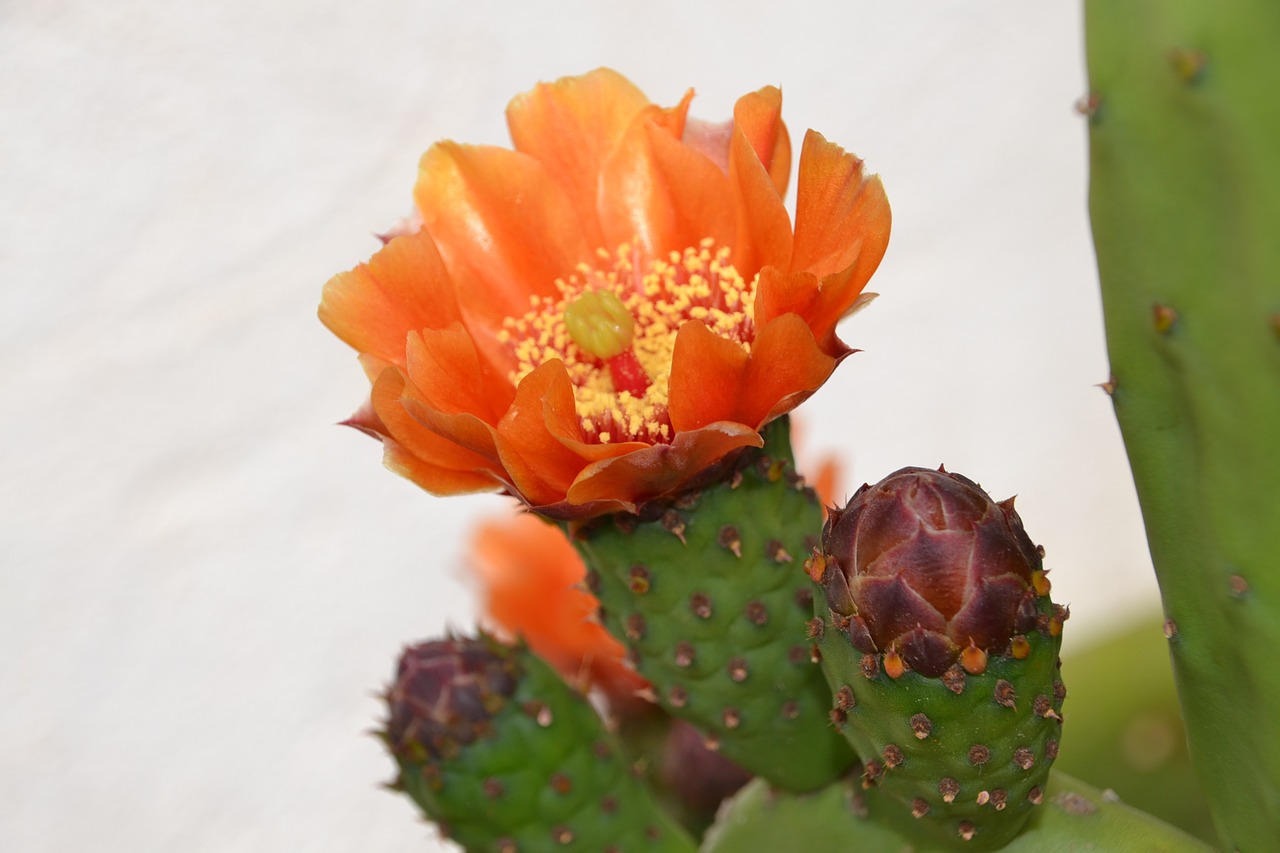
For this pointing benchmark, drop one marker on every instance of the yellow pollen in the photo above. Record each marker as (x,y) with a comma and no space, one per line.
(586,324)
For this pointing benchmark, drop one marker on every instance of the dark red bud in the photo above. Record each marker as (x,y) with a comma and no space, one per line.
(931,565)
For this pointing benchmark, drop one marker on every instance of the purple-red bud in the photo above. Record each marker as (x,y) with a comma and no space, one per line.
(932,566)
(445,694)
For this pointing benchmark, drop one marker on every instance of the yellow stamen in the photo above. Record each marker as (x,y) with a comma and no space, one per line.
(629,301)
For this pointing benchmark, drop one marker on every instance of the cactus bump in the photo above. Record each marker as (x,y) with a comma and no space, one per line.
(940,643)
(506,758)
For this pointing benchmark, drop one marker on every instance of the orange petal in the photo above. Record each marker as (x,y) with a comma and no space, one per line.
(707,372)
(842,215)
(530,576)
(501,224)
(837,296)
(759,116)
(464,430)
(785,368)
(452,401)
(779,293)
(661,469)
(373,366)
(433,462)
(661,192)
(539,464)
(763,229)
(570,126)
(445,366)
(821,304)
(434,479)
(404,287)
(714,379)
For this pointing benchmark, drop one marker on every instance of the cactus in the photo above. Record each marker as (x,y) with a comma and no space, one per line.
(1185,203)
(841,818)
(497,750)
(1126,731)
(708,595)
(935,631)
(940,643)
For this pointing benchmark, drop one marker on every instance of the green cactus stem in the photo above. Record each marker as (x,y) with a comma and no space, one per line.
(843,817)
(961,737)
(506,758)
(1126,731)
(708,595)
(1184,137)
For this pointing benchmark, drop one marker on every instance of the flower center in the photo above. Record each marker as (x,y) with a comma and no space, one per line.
(614,327)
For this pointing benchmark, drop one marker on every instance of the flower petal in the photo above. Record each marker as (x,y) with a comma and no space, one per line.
(539,464)
(450,393)
(842,215)
(661,469)
(433,462)
(570,126)
(404,287)
(785,368)
(531,578)
(763,229)
(445,366)
(759,116)
(714,379)
(820,304)
(661,192)
(505,229)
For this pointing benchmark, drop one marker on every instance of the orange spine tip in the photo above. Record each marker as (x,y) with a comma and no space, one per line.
(893,665)
(974,660)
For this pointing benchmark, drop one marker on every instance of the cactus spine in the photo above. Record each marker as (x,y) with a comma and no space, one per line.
(709,597)
(506,758)
(1185,203)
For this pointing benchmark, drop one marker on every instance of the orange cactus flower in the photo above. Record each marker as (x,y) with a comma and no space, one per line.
(531,581)
(591,320)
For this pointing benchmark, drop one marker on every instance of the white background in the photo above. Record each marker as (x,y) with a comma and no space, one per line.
(202,579)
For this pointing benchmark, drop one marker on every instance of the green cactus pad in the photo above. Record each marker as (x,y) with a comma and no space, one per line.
(542,775)
(1126,731)
(965,755)
(1184,132)
(709,597)
(843,818)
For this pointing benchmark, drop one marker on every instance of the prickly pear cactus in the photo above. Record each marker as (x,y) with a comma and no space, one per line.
(940,644)
(1185,200)
(710,599)
(842,818)
(506,758)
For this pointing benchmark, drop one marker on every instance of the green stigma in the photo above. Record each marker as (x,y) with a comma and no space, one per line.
(600,324)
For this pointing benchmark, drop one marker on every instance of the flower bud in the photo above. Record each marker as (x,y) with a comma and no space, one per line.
(931,566)
(503,755)
(940,644)
(444,696)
